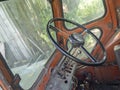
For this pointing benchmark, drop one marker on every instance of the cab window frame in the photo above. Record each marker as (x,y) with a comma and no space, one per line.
(84,24)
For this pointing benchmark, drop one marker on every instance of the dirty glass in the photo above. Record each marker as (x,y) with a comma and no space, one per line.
(23,40)
(1,88)
(82,11)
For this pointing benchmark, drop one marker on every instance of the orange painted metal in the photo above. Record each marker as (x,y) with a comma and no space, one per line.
(55,59)
(2,86)
(106,73)
(108,24)
(117,3)
(4,69)
(109,71)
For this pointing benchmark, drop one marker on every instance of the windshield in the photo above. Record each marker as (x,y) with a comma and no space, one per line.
(23,40)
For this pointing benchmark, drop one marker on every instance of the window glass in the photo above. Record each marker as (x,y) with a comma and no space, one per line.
(1,88)
(82,11)
(89,44)
(24,42)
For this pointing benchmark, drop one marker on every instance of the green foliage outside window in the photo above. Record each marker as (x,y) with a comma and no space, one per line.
(83,11)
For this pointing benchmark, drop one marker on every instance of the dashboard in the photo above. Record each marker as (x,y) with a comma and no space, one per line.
(62,77)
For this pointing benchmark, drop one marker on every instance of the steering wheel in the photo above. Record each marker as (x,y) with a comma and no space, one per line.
(76,39)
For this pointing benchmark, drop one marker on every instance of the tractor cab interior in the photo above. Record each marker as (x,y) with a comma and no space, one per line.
(60,45)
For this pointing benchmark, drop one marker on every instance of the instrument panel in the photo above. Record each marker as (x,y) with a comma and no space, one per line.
(63,76)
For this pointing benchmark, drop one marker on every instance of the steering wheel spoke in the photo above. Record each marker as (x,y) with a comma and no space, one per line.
(64,34)
(88,54)
(84,32)
(53,28)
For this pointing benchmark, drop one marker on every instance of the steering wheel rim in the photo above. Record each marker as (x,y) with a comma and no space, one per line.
(66,53)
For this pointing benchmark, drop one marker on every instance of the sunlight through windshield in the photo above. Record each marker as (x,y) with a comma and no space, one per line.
(23,39)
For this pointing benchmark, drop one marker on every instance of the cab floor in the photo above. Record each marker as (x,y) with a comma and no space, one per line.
(106,87)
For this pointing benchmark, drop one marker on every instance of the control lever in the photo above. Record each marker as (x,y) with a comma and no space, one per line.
(62,74)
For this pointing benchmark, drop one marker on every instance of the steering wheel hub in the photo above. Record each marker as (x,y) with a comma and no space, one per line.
(76,40)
